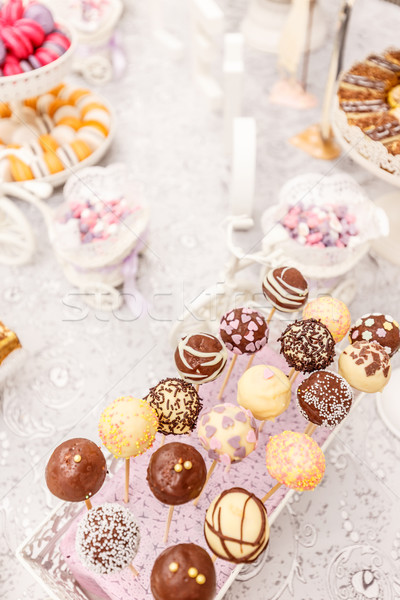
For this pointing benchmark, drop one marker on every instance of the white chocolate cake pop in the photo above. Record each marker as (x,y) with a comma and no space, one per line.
(265,391)
(365,366)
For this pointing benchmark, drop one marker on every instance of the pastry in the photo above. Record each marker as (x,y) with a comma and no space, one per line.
(366,366)
(236,526)
(295,460)
(324,398)
(177,405)
(331,312)
(176,473)
(307,345)
(8,342)
(244,331)
(181,572)
(379,328)
(285,288)
(265,391)
(200,357)
(107,539)
(76,470)
(228,433)
(128,426)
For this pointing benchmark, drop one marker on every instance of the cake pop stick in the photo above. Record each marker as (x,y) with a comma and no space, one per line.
(228,374)
(88,504)
(127,428)
(134,571)
(271,314)
(250,362)
(209,473)
(271,492)
(309,430)
(200,358)
(168,525)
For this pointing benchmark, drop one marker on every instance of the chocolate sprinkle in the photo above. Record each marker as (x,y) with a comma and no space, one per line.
(177,405)
(307,345)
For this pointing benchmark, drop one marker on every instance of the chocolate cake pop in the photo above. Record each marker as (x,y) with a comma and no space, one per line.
(236,526)
(365,366)
(295,460)
(181,572)
(177,405)
(228,433)
(307,345)
(324,398)
(265,391)
(107,539)
(200,357)
(176,473)
(76,470)
(285,288)
(376,327)
(332,312)
(244,331)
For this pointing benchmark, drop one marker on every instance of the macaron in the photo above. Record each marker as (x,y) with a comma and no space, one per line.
(92,136)
(43,103)
(36,64)
(98,126)
(5,111)
(31,102)
(72,122)
(19,169)
(71,154)
(81,149)
(16,42)
(12,10)
(3,52)
(11,66)
(53,163)
(54,48)
(32,30)
(48,143)
(23,135)
(45,56)
(57,90)
(59,39)
(42,15)
(44,124)
(74,94)
(55,105)
(91,106)
(100,116)
(7,128)
(65,111)
(63,134)
(25,66)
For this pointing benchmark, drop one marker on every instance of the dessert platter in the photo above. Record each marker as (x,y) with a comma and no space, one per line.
(248,444)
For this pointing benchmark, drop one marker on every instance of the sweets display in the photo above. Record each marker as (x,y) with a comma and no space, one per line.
(331,312)
(243,331)
(176,473)
(76,470)
(228,433)
(376,327)
(321,226)
(307,345)
(285,288)
(107,539)
(8,342)
(295,460)
(264,390)
(177,405)
(366,366)
(128,427)
(66,125)
(29,37)
(181,572)
(236,526)
(200,357)
(324,398)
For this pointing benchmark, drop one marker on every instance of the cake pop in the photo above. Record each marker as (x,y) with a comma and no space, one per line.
(8,342)
(295,460)
(200,357)
(76,470)
(236,526)
(331,312)
(307,345)
(286,289)
(324,398)
(366,366)
(177,405)
(376,327)
(107,539)
(265,391)
(127,428)
(181,572)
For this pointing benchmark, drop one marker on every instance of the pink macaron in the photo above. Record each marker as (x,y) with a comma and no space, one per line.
(60,39)
(12,11)
(11,66)
(45,56)
(16,42)
(32,30)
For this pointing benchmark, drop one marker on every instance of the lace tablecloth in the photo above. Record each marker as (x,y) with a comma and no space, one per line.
(341,541)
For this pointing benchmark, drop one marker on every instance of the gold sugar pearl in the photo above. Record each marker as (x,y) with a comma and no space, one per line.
(178,467)
(187,464)
(200,579)
(173,567)
(193,572)
(77,458)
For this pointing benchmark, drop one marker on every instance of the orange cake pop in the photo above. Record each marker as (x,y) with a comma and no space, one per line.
(331,312)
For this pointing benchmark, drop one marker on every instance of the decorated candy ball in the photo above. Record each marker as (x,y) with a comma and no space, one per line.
(324,398)
(200,357)
(376,327)
(244,331)
(285,288)
(307,345)
(177,405)
(331,312)
(365,366)
(265,391)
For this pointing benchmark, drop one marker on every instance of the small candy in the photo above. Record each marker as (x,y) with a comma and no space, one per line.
(32,30)
(42,15)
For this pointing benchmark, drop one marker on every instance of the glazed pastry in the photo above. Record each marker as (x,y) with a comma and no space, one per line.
(324,398)
(379,328)
(285,288)
(265,391)
(331,312)
(295,460)
(236,526)
(366,366)
(228,433)
(76,470)
(107,539)
(176,473)
(200,357)
(307,345)
(181,572)
(177,405)
(128,426)
(8,342)
(244,331)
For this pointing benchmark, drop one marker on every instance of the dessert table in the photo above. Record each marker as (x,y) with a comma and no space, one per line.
(343,539)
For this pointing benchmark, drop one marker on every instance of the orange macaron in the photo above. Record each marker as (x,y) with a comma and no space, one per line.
(98,126)
(53,163)
(19,169)
(48,143)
